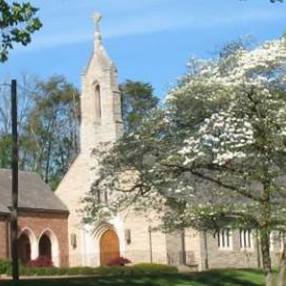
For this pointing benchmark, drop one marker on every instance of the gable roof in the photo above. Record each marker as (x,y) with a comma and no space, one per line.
(33,193)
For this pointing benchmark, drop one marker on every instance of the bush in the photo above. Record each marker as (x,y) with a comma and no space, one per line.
(154,268)
(40,262)
(81,271)
(118,261)
(142,268)
(112,270)
(5,265)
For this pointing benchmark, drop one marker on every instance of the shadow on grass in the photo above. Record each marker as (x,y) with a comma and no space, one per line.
(211,278)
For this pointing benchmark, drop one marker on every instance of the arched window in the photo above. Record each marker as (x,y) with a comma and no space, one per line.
(45,247)
(97,103)
(49,246)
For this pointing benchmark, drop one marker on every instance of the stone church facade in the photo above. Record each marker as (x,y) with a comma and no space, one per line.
(134,236)
(49,227)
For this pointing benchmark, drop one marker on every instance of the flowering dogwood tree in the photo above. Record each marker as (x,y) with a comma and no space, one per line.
(214,154)
(240,148)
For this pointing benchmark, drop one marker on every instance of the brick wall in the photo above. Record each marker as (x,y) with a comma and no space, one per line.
(41,222)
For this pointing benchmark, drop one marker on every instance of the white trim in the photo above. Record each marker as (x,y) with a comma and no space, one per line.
(55,245)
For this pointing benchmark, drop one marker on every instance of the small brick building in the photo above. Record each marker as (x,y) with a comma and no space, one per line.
(43,229)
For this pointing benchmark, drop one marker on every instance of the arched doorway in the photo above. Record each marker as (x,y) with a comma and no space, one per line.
(24,248)
(48,246)
(45,247)
(109,247)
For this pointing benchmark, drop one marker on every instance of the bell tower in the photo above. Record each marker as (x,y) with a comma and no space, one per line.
(101,119)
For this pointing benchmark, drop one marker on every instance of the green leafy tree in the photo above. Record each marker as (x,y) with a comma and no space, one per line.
(137,100)
(25,103)
(18,22)
(53,125)
(5,152)
(48,126)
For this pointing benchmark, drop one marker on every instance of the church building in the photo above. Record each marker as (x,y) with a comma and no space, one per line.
(51,224)
(101,122)
(133,236)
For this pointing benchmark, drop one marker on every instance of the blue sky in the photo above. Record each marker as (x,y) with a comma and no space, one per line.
(149,40)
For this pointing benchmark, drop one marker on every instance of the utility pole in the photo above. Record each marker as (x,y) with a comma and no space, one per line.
(14,165)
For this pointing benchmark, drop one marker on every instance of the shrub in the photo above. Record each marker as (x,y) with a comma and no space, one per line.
(118,261)
(142,268)
(62,271)
(4,266)
(50,271)
(40,262)
(87,271)
(153,268)
(111,270)
(80,271)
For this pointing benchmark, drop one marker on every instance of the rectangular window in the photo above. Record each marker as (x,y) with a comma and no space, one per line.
(101,197)
(224,239)
(246,239)
(98,195)
(106,197)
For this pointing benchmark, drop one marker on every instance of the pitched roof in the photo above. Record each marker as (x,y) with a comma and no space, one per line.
(33,193)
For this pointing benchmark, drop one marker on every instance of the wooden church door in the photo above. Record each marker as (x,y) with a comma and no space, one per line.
(109,247)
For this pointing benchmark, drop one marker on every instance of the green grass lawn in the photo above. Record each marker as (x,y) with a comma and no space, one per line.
(212,278)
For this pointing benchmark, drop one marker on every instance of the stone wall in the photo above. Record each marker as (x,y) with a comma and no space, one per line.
(147,243)
(71,190)
(229,258)
(193,248)
(234,257)
(175,248)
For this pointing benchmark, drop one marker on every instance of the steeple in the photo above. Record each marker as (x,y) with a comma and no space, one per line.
(100,99)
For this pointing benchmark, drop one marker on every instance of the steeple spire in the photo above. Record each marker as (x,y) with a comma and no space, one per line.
(97,36)
(100,101)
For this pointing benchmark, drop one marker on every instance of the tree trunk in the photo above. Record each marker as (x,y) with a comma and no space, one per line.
(282,267)
(266,259)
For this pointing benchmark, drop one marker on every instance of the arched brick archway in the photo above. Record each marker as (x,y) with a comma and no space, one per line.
(24,248)
(109,246)
(27,245)
(49,246)
(45,247)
